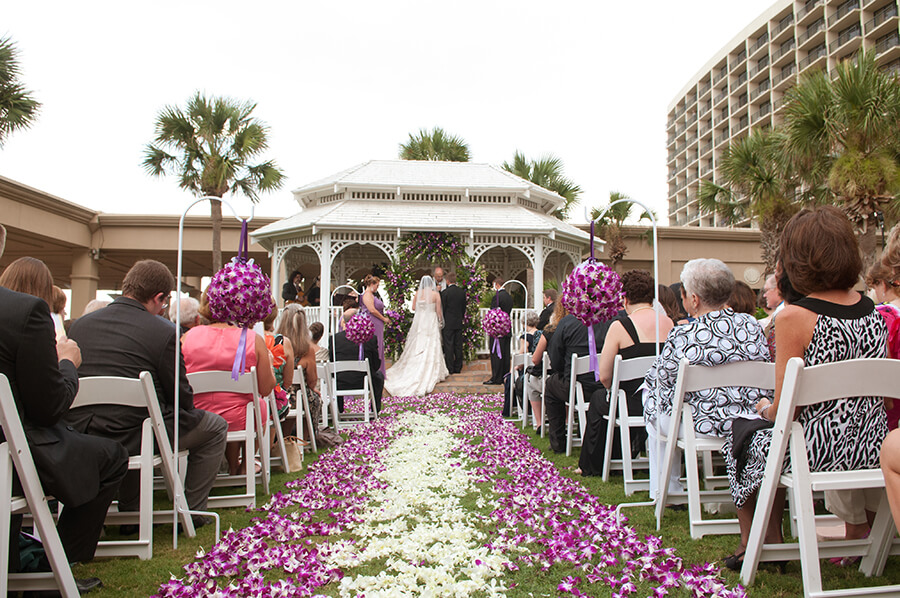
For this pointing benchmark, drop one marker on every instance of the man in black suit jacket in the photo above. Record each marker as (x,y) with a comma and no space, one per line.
(453,302)
(126,338)
(550,296)
(570,338)
(342,349)
(83,472)
(500,365)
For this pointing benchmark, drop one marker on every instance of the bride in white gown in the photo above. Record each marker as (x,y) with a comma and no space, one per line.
(421,365)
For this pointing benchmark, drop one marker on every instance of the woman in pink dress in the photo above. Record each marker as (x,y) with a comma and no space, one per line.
(212,348)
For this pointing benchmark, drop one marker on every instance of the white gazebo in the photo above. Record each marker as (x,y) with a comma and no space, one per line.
(356,218)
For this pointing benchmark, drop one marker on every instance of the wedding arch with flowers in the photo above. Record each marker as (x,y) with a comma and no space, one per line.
(431,249)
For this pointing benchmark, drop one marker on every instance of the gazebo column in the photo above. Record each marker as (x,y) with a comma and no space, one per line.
(325,283)
(274,277)
(538,269)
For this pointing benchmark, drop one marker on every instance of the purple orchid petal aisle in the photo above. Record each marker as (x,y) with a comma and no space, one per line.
(439,497)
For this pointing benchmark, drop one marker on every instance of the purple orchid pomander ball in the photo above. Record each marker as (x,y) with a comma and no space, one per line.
(360,328)
(240,294)
(592,293)
(496,323)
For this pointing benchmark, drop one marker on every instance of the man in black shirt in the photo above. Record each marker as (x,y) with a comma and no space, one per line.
(570,338)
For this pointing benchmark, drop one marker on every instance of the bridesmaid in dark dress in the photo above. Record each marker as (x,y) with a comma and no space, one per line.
(370,302)
(629,337)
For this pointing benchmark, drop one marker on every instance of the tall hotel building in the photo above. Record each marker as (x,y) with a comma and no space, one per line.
(742,87)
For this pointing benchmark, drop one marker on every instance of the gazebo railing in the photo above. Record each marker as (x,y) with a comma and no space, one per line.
(517,316)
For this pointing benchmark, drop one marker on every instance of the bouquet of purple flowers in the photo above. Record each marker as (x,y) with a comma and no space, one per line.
(360,329)
(496,323)
(592,293)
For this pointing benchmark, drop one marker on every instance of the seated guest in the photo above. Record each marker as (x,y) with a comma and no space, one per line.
(317,330)
(715,335)
(743,299)
(58,309)
(83,472)
(293,328)
(831,323)
(881,279)
(126,338)
(211,347)
(190,314)
(93,305)
(629,337)
(528,341)
(281,352)
(342,349)
(670,304)
(534,386)
(570,337)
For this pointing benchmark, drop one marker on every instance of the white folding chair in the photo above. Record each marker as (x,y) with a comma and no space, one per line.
(803,387)
(693,378)
(625,370)
(519,359)
(350,419)
(302,410)
(16,455)
(576,403)
(329,405)
(220,381)
(139,393)
(275,424)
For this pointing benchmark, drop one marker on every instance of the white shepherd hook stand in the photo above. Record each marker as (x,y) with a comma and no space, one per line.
(327,323)
(524,288)
(656,307)
(178,355)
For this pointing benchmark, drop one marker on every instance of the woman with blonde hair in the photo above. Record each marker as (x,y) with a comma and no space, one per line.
(294,329)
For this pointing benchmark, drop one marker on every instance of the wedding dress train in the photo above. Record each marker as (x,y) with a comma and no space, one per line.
(422,365)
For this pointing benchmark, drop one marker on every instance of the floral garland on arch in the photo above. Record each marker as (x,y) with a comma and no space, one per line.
(437,248)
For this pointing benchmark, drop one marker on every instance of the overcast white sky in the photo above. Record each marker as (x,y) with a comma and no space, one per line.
(340,83)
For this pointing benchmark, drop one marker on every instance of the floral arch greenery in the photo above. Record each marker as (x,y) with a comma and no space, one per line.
(435,249)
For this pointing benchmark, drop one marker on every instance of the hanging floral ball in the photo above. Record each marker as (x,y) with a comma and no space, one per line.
(592,293)
(360,328)
(240,294)
(496,323)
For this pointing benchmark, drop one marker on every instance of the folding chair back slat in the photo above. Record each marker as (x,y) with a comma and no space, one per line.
(303,411)
(693,378)
(805,386)
(16,449)
(580,365)
(221,381)
(624,370)
(519,359)
(334,368)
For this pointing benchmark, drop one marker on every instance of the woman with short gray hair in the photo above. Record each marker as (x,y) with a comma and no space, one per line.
(715,335)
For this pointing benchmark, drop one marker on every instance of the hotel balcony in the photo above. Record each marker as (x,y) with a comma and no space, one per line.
(809,12)
(883,21)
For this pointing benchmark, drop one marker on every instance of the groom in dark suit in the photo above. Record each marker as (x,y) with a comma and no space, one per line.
(500,365)
(453,302)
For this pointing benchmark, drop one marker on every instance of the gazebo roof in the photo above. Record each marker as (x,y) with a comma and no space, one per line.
(388,215)
(413,175)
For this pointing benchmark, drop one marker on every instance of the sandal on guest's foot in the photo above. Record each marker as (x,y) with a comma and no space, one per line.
(845,561)
(735,561)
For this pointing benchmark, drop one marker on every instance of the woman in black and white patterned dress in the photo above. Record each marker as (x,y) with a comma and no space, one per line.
(831,323)
(717,335)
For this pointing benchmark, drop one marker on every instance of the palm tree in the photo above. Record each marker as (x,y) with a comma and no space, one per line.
(546,172)
(609,221)
(842,130)
(18,109)
(213,140)
(435,145)
(755,181)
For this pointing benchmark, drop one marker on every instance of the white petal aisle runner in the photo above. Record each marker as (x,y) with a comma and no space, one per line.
(439,497)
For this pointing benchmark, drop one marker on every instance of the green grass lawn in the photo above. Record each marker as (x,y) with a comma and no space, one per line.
(132,577)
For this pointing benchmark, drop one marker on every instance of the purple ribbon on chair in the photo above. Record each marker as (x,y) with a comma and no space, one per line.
(496,348)
(360,351)
(240,358)
(592,352)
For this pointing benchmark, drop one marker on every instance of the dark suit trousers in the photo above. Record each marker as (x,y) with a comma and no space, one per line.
(453,349)
(79,527)
(500,365)
(556,397)
(377,390)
